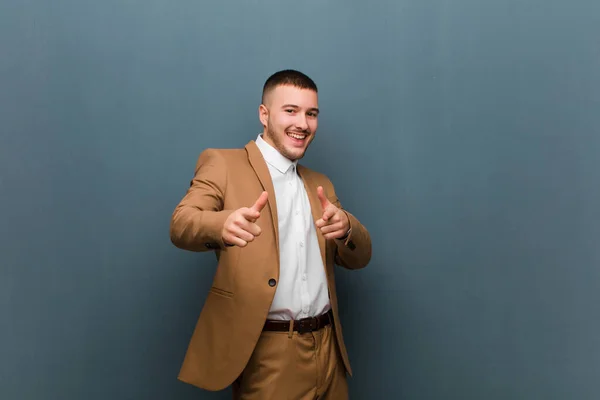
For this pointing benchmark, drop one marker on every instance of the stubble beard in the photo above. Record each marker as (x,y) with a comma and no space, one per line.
(278,142)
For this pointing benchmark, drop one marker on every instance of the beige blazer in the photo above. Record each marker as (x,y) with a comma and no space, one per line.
(236,308)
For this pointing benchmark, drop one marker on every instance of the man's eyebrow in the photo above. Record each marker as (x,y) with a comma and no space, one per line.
(313,109)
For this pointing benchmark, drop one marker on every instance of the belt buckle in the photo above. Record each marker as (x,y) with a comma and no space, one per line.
(306,325)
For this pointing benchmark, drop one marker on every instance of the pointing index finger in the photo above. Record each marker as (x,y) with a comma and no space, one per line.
(260,202)
(324,200)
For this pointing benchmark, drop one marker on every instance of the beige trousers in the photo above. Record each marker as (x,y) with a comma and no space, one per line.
(292,366)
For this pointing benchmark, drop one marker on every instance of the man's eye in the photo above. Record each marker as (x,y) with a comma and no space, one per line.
(289,111)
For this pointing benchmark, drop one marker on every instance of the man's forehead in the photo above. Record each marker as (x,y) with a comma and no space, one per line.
(288,93)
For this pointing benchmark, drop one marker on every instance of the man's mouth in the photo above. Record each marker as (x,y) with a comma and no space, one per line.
(297,135)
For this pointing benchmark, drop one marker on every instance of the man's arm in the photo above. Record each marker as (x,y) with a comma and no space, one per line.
(352,240)
(198,220)
(353,251)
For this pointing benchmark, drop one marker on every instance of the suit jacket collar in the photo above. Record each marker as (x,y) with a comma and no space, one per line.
(264,176)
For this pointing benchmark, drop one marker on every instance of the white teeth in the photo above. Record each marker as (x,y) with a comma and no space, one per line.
(295,136)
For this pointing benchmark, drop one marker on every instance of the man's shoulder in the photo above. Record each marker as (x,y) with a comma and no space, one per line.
(221,154)
(313,174)
(220,158)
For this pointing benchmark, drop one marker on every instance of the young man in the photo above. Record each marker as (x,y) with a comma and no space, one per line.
(270,324)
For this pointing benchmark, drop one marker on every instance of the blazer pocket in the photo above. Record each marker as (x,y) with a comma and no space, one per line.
(221,292)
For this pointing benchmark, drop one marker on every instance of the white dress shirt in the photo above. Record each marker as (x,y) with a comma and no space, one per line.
(302,290)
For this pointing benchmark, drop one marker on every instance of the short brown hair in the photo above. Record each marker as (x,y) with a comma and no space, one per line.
(288,77)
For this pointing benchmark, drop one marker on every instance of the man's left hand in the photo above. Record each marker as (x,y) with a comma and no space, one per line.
(334,223)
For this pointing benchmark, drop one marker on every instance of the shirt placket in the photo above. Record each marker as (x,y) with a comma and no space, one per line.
(299,235)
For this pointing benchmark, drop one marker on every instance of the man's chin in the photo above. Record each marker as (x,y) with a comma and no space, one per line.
(295,154)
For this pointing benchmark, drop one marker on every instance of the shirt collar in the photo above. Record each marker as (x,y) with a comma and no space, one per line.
(274,157)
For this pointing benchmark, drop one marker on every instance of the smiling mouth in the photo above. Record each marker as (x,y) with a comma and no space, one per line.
(297,136)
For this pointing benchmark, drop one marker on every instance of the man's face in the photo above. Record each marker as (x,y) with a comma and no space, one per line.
(290,119)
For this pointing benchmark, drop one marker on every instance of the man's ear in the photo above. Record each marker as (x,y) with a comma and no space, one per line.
(263,114)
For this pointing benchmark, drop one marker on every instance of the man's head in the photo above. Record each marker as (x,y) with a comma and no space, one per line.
(289,112)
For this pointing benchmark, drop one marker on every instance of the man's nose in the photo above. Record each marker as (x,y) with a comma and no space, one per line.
(301,123)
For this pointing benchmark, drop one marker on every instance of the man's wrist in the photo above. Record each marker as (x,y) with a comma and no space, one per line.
(346,235)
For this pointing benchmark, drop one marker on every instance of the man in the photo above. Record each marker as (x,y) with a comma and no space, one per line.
(270,324)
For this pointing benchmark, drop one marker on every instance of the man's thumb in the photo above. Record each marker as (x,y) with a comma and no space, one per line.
(261,202)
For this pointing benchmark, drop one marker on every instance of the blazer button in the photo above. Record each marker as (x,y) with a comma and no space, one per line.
(272,282)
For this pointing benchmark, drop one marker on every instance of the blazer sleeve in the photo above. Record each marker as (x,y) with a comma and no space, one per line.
(197,221)
(353,252)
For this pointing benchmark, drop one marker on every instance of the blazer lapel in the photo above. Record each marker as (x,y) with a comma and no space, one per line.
(315,205)
(264,176)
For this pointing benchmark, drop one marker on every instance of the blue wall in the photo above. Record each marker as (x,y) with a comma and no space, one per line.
(464,134)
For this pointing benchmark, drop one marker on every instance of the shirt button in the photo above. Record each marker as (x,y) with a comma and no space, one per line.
(304,277)
(272,282)
(301,244)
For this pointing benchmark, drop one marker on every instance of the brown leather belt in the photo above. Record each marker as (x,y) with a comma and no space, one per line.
(302,325)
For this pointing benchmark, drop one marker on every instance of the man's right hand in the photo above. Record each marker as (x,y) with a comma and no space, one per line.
(240,228)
